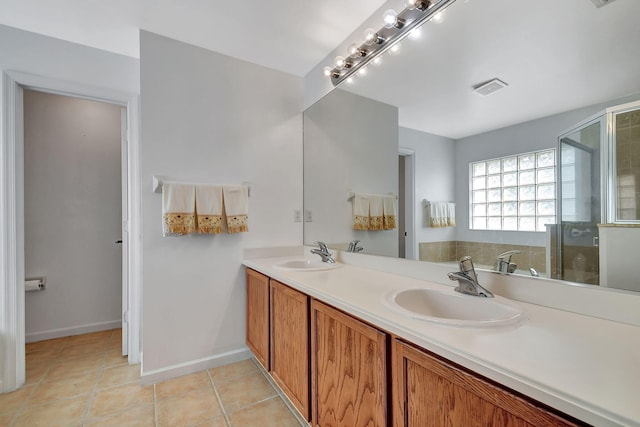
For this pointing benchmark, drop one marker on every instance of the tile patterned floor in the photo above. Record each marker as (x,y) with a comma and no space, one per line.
(84,381)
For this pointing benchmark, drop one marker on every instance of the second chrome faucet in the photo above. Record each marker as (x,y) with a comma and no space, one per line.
(323,252)
(468,279)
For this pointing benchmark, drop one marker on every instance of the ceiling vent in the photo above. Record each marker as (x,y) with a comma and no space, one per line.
(600,3)
(487,88)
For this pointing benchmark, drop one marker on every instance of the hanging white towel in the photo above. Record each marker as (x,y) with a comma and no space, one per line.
(442,214)
(236,206)
(209,209)
(178,209)
(361,212)
(451,214)
(376,215)
(389,212)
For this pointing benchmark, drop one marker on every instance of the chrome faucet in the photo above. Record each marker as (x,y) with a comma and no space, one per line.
(504,264)
(324,253)
(468,279)
(353,246)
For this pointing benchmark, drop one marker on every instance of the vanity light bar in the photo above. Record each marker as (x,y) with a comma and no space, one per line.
(385,38)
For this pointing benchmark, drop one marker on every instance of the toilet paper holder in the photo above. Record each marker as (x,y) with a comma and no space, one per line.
(35,284)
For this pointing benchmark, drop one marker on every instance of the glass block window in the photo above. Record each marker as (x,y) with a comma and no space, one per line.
(516,193)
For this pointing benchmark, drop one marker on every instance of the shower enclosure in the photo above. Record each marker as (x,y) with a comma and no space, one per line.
(599,199)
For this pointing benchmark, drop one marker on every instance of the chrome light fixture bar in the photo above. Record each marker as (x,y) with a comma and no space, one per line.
(378,42)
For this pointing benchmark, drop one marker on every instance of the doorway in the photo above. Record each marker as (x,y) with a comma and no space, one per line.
(12,263)
(406,204)
(73,214)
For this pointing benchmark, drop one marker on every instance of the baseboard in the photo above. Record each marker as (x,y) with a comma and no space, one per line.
(74,330)
(194,366)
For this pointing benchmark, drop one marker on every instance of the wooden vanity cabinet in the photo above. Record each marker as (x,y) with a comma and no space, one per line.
(349,370)
(258,316)
(428,391)
(290,359)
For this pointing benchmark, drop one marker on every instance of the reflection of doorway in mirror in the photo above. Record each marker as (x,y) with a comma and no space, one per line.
(406,204)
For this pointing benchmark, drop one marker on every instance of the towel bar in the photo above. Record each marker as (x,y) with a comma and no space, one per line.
(159,180)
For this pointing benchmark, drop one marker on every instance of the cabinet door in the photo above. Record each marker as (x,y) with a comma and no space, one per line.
(348,370)
(258,316)
(429,392)
(290,344)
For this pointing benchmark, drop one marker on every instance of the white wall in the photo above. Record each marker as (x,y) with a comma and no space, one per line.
(210,118)
(72,214)
(53,58)
(434,177)
(350,143)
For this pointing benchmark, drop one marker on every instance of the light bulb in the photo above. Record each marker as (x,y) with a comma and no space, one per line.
(327,71)
(363,71)
(395,49)
(349,80)
(438,17)
(339,62)
(390,18)
(353,49)
(370,36)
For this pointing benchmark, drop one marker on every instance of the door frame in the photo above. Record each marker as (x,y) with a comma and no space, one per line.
(12,274)
(411,246)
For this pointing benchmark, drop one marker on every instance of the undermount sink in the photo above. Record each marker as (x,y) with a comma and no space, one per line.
(454,309)
(305,264)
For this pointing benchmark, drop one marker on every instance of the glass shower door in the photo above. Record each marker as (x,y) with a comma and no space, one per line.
(580,206)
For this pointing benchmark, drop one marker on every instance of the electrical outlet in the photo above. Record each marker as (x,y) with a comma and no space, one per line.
(307,216)
(297,215)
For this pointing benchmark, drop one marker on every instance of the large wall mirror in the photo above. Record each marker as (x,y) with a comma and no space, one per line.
(535,167)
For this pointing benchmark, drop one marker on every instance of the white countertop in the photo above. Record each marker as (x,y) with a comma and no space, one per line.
(584,366)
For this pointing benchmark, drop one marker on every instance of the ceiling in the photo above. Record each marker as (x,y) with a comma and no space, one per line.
(555,56)
(288,35)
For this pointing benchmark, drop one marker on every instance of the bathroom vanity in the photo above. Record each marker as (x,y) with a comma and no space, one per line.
(343,357)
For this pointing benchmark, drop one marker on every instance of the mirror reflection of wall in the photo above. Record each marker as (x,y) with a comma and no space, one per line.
(351,144)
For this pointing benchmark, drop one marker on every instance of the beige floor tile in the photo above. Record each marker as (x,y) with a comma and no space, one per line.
(140,416)
(5,418)
(35,372)
(188,409)
(73,367)
(270,413)
(48,346)
(115,358)
(183,384)
(233,370)
(10,402)
(63,389)
(64,413)
(213,422)
(114,400)
(119,375)
(84,348)
(104,336)
(41,357)
(244,391)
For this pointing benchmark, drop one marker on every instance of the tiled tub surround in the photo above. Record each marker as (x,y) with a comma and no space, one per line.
(581,365)
(484,254)
(84,381)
